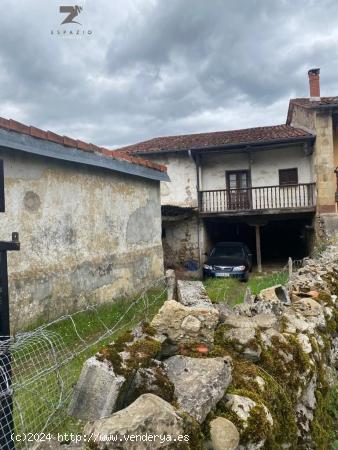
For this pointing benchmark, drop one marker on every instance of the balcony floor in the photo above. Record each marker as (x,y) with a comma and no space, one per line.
(259,212)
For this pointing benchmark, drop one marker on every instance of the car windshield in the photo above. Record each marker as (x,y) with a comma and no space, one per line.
(230,251)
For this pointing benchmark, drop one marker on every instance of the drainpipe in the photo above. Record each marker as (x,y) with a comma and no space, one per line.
(197,166)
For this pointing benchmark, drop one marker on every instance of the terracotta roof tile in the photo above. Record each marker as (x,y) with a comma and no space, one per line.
(307,103)
(18,127)
(218,139)
(324,102)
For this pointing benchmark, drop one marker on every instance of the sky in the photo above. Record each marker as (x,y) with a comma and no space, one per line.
(146,68)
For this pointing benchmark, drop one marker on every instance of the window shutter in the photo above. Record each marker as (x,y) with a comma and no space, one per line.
(288,176)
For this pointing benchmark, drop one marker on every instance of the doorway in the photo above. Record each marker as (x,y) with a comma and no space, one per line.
(238,183)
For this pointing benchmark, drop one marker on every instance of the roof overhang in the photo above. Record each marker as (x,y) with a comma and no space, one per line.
(307,141)
(328,108)
(10,140)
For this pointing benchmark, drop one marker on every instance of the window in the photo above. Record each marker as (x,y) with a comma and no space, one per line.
(288,176)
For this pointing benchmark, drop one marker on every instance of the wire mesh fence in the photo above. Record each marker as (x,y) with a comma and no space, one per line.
(39,368)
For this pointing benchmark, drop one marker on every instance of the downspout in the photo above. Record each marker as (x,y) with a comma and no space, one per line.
(196,160)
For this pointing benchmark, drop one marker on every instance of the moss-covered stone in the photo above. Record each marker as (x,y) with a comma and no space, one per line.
(138,354)
(194,431)
(148,329)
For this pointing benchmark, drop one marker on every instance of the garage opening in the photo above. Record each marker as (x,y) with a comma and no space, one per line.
(279,239)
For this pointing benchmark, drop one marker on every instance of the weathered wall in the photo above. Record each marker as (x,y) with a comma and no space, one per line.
(264,166)
(325,156)
(324,163)
(181,191)
(87,235)
(180,242)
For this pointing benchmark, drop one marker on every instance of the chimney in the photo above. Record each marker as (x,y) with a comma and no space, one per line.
(314,84)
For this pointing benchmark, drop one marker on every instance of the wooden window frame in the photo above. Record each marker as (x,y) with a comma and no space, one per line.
(287,182)
(227,177)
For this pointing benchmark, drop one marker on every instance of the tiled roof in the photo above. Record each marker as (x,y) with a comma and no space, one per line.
(12,125)
(218,139)
(307,103)
(324,102)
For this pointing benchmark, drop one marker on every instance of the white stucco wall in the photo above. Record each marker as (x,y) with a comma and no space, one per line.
(264,167)
(181,190)
(87,235)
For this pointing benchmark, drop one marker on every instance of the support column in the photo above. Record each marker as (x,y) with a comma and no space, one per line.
(258,248)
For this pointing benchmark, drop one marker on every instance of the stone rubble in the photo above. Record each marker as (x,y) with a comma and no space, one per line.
(199,383)
(243,378)
(183,324)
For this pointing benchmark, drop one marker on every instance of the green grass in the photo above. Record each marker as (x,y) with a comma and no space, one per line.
(232,291)
(333,411)
(66,344)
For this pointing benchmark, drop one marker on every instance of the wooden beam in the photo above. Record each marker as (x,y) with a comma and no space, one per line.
(258,248)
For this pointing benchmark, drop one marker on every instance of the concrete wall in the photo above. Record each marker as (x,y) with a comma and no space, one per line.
(181,191)
(87,235)
(264,166)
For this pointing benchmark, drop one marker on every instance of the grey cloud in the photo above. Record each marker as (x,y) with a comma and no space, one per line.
(155,67)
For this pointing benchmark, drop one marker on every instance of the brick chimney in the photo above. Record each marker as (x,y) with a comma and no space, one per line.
(314,84)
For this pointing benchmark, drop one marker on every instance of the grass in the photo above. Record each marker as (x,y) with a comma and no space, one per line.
(232,291)
(333,411)
(42,393)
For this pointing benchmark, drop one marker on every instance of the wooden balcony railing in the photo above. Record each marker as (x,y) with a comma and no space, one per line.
(258,198)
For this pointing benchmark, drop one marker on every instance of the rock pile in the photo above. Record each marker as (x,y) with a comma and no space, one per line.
(255,377)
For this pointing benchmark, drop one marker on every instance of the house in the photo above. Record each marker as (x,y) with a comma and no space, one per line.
(263,185)
(89,222)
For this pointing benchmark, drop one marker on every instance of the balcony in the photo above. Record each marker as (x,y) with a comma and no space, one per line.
(258,200)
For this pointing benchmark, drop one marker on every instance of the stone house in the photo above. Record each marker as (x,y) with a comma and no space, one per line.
(263,185)
(89,222)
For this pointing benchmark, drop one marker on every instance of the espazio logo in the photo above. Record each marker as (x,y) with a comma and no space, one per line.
(72,11)
(67,28)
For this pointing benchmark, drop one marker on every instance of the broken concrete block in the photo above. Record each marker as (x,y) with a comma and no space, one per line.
(96,391)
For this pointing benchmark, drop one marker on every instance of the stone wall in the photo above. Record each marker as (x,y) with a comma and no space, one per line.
(87,235)
(257,376)
(325,154)
(180,241)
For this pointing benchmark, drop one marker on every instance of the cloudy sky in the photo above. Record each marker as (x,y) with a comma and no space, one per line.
(160,67)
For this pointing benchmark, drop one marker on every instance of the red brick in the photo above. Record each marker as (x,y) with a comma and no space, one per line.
(18,127)
(105,151)
(36,132)
(4,123)
(65,140)
(69,142)
(84,146)
(54,137)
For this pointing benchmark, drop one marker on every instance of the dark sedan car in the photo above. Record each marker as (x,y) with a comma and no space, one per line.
(229,259)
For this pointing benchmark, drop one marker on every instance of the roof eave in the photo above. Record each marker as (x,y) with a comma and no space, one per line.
(244,145)
(292,103)
(28,144)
